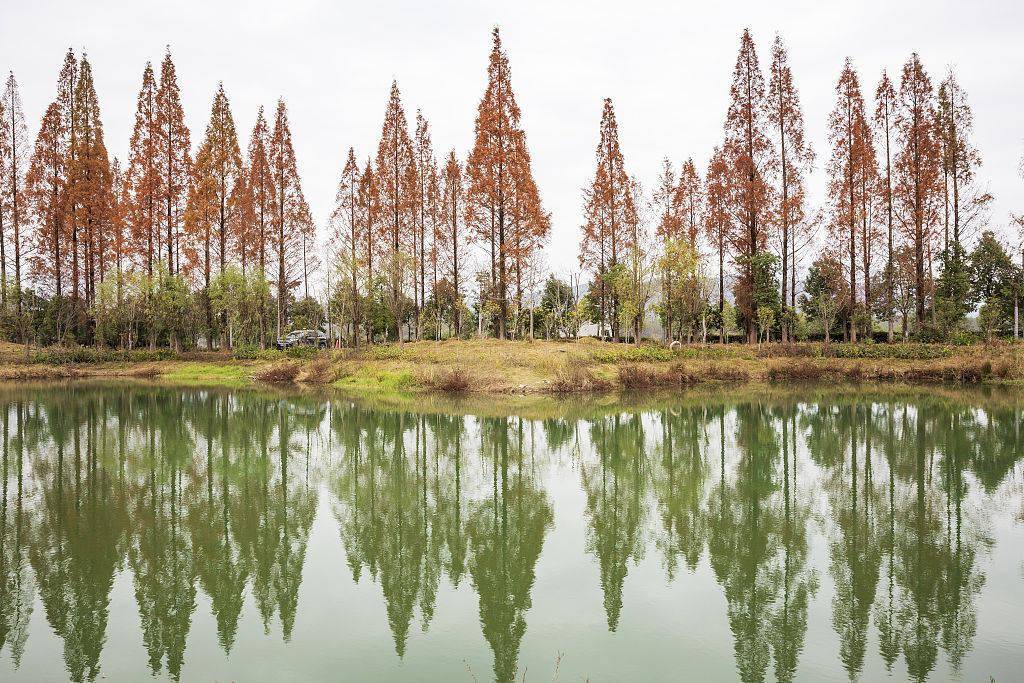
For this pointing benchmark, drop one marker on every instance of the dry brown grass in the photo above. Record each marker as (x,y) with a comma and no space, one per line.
(633,377)
(576,377)
(278,373)
(318,373)
(638,377)
(957,370)
(451,381)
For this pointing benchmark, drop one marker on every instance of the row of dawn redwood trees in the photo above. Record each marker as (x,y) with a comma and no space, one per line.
(179,224)
(80,219)
(407,219)
(901,189)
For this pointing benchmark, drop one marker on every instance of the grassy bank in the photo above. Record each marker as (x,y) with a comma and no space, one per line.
(493,367)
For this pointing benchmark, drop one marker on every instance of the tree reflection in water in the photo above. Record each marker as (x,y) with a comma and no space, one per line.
(193,491)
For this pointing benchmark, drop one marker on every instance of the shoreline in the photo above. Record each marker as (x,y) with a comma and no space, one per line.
(539,368)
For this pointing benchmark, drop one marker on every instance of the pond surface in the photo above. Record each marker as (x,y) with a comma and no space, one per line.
(800,535)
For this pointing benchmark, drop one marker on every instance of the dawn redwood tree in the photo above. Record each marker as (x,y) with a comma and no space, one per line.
(5,160)
(14,142)
(450,237)
(347,235)
(885,110)
(45,189)
(718,218)
(425,206)
(66,89)
(396,182)
(291,224)
(689,201)
(174,161)
(529,224)
(852,161)
(257,203)
(668,230)
(433,213)
(119,236)
(143,178)
(960,160)
(370,216)
(496,169)
(92,195)
(917,187)
(749,153)
(795,157)
(212,201)
(608,201)
(200,217)
(666,202)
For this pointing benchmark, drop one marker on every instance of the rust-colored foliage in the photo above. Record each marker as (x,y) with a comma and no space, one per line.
(212,201)
(902,187)
(917,171)
(396,184)
(795,157)
(503,203)
(173,162)
(291,224)
(852,178)
(751,158)
(608,211)
(143,179)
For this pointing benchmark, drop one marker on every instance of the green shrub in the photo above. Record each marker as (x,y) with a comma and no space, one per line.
(897,351)
(302,352)
(635,354)
(246,352)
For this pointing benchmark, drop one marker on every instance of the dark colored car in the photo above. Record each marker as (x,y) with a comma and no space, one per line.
(303,338)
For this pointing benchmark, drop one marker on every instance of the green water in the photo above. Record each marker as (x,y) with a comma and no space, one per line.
(209,535)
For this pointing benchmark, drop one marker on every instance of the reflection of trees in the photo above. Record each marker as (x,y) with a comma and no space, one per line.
(77,533)
(405,517)
(16,583)
(450,493)
(157,480)
(220,565)
(857,553)
(386,517)
(192,490)
(506,533)
(799,582)
(758,548)
(679,483)
(615,489)
(162,556)
(275,510)
(934,559)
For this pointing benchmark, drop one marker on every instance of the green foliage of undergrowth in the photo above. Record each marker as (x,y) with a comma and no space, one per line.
(898,351)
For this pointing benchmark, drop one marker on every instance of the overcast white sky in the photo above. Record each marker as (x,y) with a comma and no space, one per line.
(666,65)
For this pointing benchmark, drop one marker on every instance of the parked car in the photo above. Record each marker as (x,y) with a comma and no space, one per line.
(303,338)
